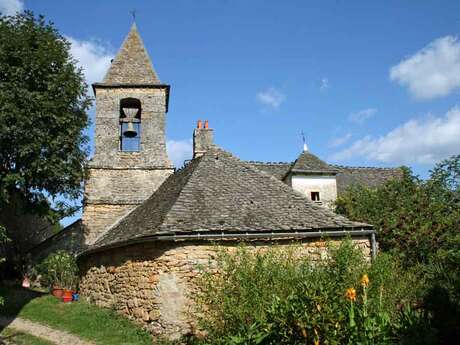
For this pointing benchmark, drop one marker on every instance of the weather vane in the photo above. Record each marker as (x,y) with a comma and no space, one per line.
(305,147)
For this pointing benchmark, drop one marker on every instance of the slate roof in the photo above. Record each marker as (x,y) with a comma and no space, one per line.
(366,176)
(132,63)
(277,169)
(345,175)
(309,163)
(217,192)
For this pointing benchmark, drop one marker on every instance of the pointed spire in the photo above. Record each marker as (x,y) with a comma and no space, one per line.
(132,64)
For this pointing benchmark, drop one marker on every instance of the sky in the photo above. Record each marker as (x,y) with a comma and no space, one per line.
(369,83)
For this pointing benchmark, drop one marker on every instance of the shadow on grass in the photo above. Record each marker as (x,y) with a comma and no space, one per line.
(15,298)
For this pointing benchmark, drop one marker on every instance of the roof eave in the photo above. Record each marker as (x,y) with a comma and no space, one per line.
(134,86)
(314,172)
(360,230)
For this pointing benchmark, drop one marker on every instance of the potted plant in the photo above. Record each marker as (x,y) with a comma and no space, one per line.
(59,271)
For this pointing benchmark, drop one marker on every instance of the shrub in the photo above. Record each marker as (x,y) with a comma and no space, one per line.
(59,269)
(279,296)
(419,220)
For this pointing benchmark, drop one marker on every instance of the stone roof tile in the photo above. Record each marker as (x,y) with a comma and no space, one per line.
(364,176)
(132,63)
(308,162)
(220,193)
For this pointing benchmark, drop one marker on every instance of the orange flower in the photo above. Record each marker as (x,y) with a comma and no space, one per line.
(351,294)
(365,281)
(304,333)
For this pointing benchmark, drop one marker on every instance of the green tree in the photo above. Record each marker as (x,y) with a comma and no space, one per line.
(43,103)
(3,240)
(414,218)
(420,221)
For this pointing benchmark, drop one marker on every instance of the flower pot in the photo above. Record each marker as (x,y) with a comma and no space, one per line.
(57,292)
(67,296)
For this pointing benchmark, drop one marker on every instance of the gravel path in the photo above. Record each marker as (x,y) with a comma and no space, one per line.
(42,331)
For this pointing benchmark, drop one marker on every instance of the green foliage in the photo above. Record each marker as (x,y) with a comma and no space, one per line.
(420,221)
(59,269)
(415,218)
(279,296)
(3,240)
(43,105)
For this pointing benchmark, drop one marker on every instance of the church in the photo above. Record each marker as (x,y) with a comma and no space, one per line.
(146,227)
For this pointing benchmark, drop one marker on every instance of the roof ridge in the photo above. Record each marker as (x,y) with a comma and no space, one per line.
(364,167)
(153,195)
(271,163)
(283,185)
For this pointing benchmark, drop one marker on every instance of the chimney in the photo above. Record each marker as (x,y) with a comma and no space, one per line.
(203,138)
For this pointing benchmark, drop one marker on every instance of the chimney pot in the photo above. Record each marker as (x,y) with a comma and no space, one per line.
(199,124)
(202,139)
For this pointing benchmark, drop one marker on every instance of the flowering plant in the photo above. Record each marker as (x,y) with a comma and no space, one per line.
(59,269)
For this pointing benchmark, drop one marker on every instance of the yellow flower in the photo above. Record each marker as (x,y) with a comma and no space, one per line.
(351,294)
(316,340)
(365,281)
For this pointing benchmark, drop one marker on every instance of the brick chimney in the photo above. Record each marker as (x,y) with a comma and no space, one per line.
(203,138)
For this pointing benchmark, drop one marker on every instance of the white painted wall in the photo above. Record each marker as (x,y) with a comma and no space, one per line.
(325,185)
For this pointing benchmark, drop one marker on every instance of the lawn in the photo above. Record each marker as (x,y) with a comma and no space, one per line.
(87,321)
(20,338)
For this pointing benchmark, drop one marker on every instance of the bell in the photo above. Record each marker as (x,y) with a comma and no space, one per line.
(130,132)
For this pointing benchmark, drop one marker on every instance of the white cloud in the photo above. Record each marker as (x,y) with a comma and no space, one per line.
(10,7)
(324,84)
(362,115)
(433,71)
(271,98)
(179,151)
(340,140)
(93,56)
(417,141)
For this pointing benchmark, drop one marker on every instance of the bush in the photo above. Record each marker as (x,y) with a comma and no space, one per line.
(59,269)
(279,296)
(419,220)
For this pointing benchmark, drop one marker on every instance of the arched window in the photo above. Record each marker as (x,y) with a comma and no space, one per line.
(130,124)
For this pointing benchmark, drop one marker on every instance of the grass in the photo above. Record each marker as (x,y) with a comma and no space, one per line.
(21,338)
(87,321)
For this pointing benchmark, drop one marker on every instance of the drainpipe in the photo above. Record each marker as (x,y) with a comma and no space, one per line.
(373,246)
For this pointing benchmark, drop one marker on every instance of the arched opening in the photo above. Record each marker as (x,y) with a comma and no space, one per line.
(130,124)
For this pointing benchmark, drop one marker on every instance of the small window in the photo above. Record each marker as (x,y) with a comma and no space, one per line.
(315,196)
(130,125)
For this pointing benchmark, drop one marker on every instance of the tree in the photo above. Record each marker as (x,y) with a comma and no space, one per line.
(43,103)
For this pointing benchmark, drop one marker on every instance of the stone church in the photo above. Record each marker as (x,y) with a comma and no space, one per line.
(146,226)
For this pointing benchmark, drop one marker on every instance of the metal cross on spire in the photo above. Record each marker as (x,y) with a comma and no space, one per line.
(133,14)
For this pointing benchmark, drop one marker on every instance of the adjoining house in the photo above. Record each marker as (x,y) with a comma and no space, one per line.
(146,226)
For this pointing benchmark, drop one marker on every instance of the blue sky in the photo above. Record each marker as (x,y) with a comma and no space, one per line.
(370,83)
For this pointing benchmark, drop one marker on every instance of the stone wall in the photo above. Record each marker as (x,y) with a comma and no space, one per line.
(152,283)
(107,135)
(119,181)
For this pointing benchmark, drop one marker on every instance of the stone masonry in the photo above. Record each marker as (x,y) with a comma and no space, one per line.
(119,180)
(153,283)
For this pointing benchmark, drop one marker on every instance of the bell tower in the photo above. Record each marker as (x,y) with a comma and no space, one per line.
(130,160)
